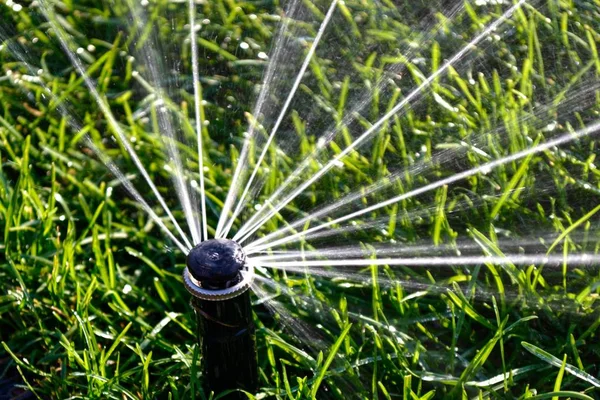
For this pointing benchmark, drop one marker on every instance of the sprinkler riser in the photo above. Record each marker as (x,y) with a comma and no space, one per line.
(218,279)
(226,335)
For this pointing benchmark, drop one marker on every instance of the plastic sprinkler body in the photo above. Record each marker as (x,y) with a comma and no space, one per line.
(218,278)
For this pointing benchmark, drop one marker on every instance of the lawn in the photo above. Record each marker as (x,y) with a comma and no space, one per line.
(485,285)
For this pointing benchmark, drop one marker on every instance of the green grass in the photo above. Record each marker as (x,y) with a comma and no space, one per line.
(92,303)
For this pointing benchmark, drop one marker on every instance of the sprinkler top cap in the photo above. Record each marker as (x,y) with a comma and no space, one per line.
(217,263)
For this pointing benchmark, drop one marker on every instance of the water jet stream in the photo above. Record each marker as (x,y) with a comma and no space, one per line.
(287,103)
(236,182)
(584,97)
(251,226)
(515,259)
(332,131)
(165,121)
(565,138)
(197,100)
(381,222)
(408,249)
(76,126)
(350,116)
(414,287)
(546,114)
(136,195)
(63,39)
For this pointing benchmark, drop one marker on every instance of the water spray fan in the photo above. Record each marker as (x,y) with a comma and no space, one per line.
(218,277)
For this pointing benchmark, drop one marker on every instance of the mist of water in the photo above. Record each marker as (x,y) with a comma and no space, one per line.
(257,220)
(484,168)
(332,131)
(166,124)
(282,113)
(545,115)
(276,58)
(113,123)
(76,126)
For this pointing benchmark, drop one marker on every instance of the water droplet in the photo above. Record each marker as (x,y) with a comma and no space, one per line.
(485,170)
(551,126)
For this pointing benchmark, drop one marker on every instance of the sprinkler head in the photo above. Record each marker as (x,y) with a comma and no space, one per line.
(217,270)
(217,263)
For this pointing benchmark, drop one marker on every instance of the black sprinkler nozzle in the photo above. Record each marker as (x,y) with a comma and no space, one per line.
(218,278)
(217,263)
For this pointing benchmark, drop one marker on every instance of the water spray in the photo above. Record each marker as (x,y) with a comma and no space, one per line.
(218,277)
